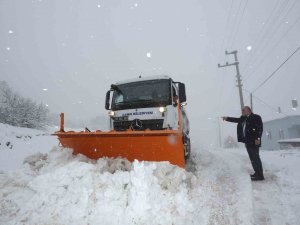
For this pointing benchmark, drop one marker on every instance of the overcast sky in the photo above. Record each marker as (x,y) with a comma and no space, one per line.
(66,53)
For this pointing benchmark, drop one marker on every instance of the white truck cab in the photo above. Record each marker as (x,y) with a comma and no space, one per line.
(148,103)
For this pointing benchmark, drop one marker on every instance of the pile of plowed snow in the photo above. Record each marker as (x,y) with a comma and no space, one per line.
(60,188)
(16,143)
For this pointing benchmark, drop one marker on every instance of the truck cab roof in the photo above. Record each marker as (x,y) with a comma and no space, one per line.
(158,77)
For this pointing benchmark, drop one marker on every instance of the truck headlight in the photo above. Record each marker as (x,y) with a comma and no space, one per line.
(162,109)
(111,113)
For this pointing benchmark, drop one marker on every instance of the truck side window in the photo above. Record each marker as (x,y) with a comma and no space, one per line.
(174,95)
(173,91)
(119,97)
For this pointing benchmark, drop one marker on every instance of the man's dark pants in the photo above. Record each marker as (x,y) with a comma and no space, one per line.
(253,152)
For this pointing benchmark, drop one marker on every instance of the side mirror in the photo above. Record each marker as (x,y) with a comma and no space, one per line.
(107,100)
(294,104)
(184,104)
(182,94)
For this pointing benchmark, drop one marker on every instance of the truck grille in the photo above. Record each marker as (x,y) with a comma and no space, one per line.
(146,124)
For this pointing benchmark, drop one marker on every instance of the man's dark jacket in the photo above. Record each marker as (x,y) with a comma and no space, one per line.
(253,130)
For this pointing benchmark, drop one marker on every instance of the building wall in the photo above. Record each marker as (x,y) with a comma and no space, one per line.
(284,128)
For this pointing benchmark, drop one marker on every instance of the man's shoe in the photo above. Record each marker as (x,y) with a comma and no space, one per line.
(253,175)
(256,178)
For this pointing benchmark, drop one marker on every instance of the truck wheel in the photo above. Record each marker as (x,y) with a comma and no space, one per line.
(187,147)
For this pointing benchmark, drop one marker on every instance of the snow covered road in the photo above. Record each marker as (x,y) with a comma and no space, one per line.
(59,188)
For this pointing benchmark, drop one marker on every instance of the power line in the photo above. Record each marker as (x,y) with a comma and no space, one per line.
(264,32)
(277,19)
(272,48)
(266,22)
(226,27)
(269,106)
(274,31)
(234,23)
(239,23)
(222,46)
(278,68)
(265,103)
(231,34)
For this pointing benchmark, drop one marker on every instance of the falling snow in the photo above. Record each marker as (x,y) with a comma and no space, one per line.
(149,54)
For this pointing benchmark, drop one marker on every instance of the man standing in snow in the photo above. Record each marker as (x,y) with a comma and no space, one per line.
(249,131)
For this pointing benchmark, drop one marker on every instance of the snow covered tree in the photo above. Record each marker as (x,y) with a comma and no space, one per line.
(19,111)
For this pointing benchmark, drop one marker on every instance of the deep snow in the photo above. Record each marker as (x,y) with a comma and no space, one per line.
(16,143)
(55,187)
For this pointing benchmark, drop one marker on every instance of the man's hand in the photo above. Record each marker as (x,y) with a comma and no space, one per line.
(224,118)
(257,141)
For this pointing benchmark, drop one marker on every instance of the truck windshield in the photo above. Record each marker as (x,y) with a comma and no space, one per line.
(150,93)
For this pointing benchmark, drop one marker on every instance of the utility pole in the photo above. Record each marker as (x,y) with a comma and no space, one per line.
(251,101)
(220,137)
(238,75)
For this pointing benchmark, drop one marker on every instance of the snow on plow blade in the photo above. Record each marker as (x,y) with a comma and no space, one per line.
(161,145)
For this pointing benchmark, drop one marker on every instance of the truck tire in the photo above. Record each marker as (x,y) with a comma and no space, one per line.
(187,147)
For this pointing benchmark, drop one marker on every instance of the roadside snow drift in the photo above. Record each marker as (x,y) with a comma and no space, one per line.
(16,143)
(60,188)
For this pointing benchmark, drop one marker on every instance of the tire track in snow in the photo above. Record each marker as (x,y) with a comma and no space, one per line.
(268,208)
(266,195)
(221,179)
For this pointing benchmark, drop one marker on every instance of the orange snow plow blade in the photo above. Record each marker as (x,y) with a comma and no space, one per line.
(158,145)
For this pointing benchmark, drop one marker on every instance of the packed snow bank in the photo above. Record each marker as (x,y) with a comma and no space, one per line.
(16,143)
(282,167)
(60,188)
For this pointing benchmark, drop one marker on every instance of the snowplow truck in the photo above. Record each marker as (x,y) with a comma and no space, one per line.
(147,119)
